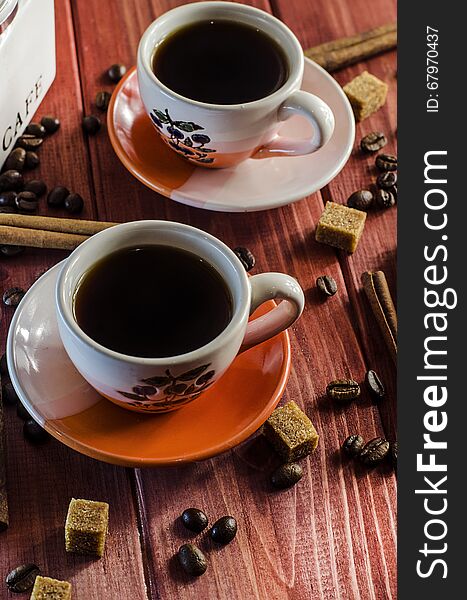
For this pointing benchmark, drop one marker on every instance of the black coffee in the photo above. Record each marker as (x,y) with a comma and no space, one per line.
(152,301)
(220,62)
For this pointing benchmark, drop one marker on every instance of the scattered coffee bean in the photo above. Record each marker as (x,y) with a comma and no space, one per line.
(361,200)
(22,578)
(246,257)
(57,196)
(32,160)
(35,129)
(386,162)
(9,394)
(224,530)
(7,198)
(194,519)
(102,100)
(386,180)
(11,250)
(22,412)
(26,202)
(373,142)
(326,285)
(192,560)
(353,445)
(374,451)
(50,124)
(16,160)
(384,199)
(91,124)
(393,450)
(374,385)
(116,72)
(34,433)
(29,142)
(13,296)
(286,476)
(343,390)
(11,180)
(3,365)
(36,186)
(393,191)
(74,203)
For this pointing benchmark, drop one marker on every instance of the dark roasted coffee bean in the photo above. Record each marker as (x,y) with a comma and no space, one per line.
(374,451)
(11,250)
(393,191)
(91,124)
(16,160)
(32,160)
(3,365)
(286,476)
(9,394)
(11,180)
(36,186)
(57,196)
(29,142)
(13,296)
(34,433)
(386,180)
(393,450)
(374,384)
(384,199)
(7,198)
(102,100)
(74,203)
(326,285)
(361,200)
(353,445)
(246,257)
(35,129)
(224,530)
(373,141)
(26,202)
(116,72)
(22,412)
(22,578)
(386,162)
(192,560)
(343,390)
(50,124)
(194,519)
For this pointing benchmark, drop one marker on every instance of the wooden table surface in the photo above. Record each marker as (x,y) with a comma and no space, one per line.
(333,536)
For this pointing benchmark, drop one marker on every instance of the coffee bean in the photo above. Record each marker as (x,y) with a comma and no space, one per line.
(8,210)
(13,296)
(32,160)
(192,559)
(393,191)
(374,385)
(50,124)
(29,142)
(326,285)
(35,129)
(286,476)
(353,445)
(194,519)
(386,180)
(386,162)
(16,160)
(22,412)
(91,124)
(11,250)
(116,72)
(102,100)
(343,390)
(9,394)
(384,199)
(74,203)
(361,200)
(11,180)
(57,196)
(224,530)
(34,433)
(36,186)
(246,257)
(22,578)
(7,198)
(374,451)
(3,365)
(393,450)
(27,202)
(373,142)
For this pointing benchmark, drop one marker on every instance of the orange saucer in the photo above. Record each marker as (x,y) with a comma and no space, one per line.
(60,400)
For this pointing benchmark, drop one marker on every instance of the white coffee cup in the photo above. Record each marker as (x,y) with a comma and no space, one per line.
(231,133)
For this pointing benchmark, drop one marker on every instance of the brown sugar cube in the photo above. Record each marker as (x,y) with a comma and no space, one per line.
(46,588)
(291,432)
(86,527)
(366,94)
(340,226)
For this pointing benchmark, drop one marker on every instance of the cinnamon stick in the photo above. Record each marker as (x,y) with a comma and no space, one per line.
(377,291)
(4,521)
(76,226)
(38,238)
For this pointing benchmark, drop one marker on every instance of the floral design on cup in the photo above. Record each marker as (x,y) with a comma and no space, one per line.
(164,391)
(192,147)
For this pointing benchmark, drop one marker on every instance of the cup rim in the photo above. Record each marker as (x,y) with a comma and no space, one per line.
(143,59)
(241,312)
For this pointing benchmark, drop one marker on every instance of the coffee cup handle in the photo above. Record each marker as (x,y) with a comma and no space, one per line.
(268,286)
(312,108)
